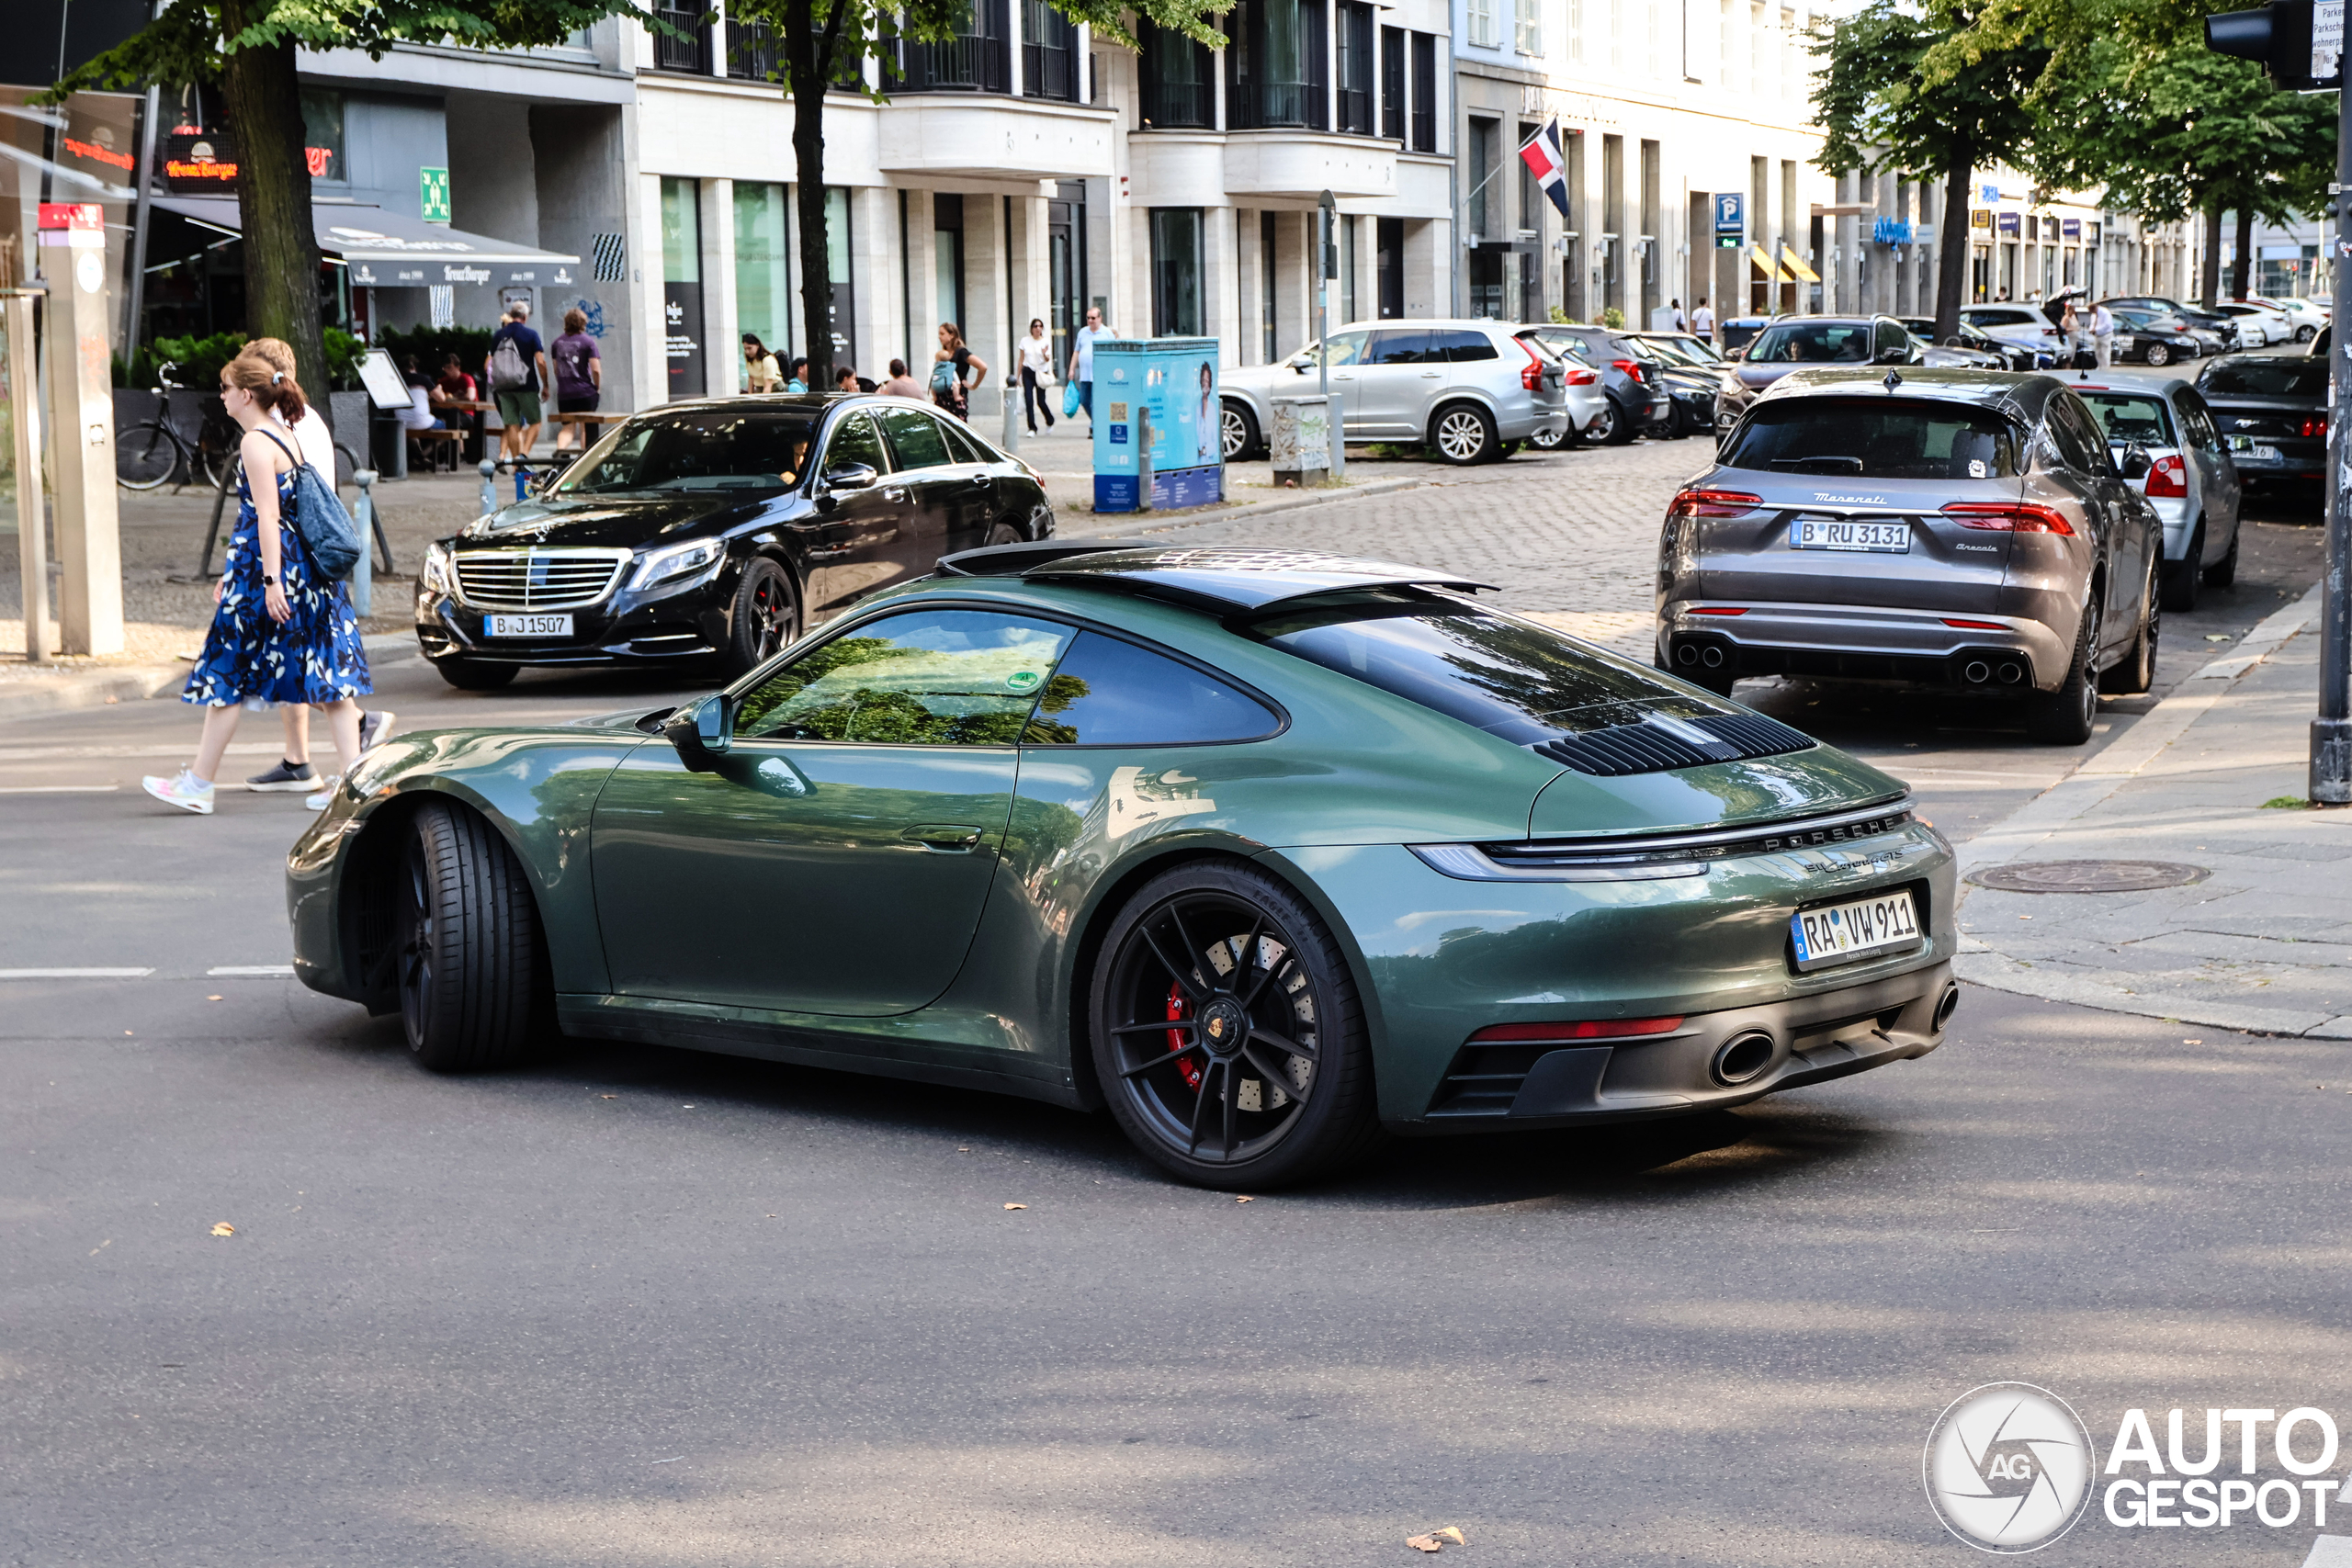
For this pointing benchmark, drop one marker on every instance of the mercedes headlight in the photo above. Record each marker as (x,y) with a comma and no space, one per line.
(438,575)
(678,563)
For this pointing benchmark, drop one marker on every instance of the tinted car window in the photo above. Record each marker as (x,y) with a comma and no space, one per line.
(916,440)
(925,678)
(1877,438)
(2266,378)
(1109,693)
(1810,342)
(1515,680)
(2076,435)
(2198,420)
(2131,416)
(706,450)
(1346,348)
(1399,346)
(1460,345)
(961,448)
(854,441)
(1892,338)
(2001,318)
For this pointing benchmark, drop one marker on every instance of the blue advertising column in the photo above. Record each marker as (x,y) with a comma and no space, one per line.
(1175,378)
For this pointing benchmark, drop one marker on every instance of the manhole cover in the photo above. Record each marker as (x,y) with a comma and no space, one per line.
(2089,876)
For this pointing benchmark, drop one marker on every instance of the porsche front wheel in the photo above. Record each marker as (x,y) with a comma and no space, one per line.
(465,944)
(1227,1033)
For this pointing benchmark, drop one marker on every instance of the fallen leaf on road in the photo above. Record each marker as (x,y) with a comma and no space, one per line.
(1244,1199)
(1424,1543)
(1016,1205)
(224,1228)
(608,1097)
(112,701)
(212,999)
(1453,1533)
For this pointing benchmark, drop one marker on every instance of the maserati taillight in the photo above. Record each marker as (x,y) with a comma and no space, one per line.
(2008,516)
(1713,504)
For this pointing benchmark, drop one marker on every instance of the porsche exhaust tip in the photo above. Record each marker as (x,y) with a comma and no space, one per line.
(1946,1005)
(1742,1058)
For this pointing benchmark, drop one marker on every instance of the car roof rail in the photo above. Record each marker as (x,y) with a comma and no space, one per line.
(1012,560)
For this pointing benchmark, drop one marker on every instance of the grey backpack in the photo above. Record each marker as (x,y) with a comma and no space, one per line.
(508,371)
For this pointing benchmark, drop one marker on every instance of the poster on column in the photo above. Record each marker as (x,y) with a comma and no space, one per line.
(1175,379)
(682,309)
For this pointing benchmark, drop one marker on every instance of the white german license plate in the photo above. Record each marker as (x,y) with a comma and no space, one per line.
(2249,451)
(526,626)
(1839,932)
(1835,534)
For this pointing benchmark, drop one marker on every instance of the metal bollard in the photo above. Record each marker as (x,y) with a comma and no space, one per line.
(363,523)
(1011,442)
(488,487)
(1143,458)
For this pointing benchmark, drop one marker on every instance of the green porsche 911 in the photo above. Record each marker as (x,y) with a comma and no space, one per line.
(1268,852)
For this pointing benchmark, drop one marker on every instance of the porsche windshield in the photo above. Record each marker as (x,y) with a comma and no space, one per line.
(1879,438)
(710,449)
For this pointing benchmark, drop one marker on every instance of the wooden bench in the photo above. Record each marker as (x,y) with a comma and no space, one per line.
(438,450)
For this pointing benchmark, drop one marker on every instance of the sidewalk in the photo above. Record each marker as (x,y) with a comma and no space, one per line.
(2262,940)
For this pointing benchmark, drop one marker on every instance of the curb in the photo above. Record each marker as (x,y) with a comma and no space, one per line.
(91,688)
(1154,522)
(2100,775)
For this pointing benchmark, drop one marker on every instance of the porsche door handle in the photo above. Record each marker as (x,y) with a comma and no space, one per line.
(944,836)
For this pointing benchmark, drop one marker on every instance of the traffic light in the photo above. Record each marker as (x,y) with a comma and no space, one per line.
(2300,42)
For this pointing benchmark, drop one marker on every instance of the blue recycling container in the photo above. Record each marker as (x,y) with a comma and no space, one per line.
(1176,378)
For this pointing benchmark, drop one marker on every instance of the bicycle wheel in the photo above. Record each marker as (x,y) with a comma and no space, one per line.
(146,456)
(218,465)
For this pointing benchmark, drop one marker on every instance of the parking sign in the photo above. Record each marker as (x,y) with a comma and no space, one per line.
(1731,217)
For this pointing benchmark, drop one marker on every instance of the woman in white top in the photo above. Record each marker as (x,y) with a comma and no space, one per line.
(1037,375)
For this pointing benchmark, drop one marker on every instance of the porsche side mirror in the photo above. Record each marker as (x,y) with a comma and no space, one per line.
(702,732)
(2135,462)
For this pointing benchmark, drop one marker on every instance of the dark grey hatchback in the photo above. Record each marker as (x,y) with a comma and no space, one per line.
(1962,529)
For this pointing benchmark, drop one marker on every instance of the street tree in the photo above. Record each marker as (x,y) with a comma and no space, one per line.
(247,49)
(826,44)
(1882,111)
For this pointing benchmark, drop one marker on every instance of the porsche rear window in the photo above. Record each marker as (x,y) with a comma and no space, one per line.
(1516,680)
(1876,437)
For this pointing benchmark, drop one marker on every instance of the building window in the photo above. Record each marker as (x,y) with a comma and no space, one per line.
(1576,32)
(1392,84)
(1424,92)
(1616,35)
(1267,226)
(1724,52)
(947,256)
(682,285)
(1179,94)
(1355,68)
(1347,266)
(1484,133)
(762,279)
(1528,26)
(1482,23)
(975,59)
(1176,272)
(1274,65)
(1654,28)
(750,51)
(1049,52)
(681,53)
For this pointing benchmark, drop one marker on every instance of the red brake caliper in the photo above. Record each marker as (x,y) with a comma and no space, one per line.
(1188,1064)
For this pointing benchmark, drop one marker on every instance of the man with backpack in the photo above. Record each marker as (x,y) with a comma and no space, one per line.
(518,376)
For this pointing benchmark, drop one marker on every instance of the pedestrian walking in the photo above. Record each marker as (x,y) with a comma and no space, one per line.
(282,630)
(1681,323)
(579,376)
(293,772)
(1702,321)
(900,384)
(518,370)
(1037,375)
(2103,335)
(761,372)
(1081,359)
(955,371)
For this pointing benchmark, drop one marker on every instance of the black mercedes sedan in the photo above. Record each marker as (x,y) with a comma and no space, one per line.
(716,531)
(2272,413)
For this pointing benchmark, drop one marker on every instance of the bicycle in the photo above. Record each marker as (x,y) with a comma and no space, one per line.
(151,453)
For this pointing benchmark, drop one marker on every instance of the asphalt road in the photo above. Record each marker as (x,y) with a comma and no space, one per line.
(636,1306)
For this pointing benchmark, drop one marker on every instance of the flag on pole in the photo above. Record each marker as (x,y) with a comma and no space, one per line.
(1545,161)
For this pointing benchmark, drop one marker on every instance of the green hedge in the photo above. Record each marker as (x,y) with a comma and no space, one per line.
(200,359)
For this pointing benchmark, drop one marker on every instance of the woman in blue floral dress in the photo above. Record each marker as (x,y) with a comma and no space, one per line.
(284,631)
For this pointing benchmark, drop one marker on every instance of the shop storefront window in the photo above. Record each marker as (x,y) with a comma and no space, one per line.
(682,285)
(1176,271)
(763,282)
(837,262)
(323,135)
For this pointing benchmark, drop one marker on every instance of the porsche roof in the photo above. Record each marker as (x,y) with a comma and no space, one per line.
(1217,578)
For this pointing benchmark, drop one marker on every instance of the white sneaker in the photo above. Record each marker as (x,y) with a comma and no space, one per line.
(320,801)
(374,726)
(186,790)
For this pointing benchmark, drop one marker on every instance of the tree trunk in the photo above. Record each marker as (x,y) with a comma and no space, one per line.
(264,100)
(2244,259)
(2208,273)
(808,63)
(1952,245)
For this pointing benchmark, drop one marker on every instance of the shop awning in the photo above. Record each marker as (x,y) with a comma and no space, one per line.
(1797,269)
(1763,260)
(389,250)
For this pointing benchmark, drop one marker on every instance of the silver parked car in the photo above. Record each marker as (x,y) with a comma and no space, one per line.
(1469,390)
(1964,529)
(2165,441)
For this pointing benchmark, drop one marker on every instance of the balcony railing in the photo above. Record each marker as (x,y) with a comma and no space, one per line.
(1048,54)
(681,53)
(1179,93)
(976,59)
(750,51)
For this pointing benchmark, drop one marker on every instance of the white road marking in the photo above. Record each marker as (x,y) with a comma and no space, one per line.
(58,789)
(52,753)
(251,971)
(74,973)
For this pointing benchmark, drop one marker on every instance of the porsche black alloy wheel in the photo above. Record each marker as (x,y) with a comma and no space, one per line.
(765,618)
(465,944)
(1227,1033)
